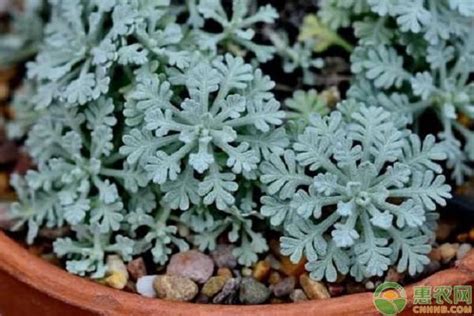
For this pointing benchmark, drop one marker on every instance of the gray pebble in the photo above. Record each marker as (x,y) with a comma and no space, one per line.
(284,287)
(253,292)
(228,293)
(298,296)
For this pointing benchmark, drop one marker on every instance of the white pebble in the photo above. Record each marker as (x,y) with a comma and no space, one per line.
(145,286)
(463,250)
(370,285)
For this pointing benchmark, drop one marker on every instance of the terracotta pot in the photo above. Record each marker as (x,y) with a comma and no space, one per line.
(31,286)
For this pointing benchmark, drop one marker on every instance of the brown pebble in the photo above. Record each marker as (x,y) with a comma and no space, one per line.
(224,272)
(435,254)
(444,230)
(292,269)
(275,247)
(471,234)
(131,287)
(336,289)
(214,285)
(462,237)
(175,288)
(191,264)
(276,301)
(8,152)
(448,251)
(274,278)
(4,91)
(137,268)
(261,270)
(331,96)
(314,290)
(4,182)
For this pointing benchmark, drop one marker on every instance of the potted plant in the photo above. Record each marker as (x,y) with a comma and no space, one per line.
(164,162)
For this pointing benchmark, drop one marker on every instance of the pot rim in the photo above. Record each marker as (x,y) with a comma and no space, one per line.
(55,282)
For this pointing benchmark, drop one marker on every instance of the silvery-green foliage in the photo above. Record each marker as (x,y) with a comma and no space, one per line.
(415,56)
(135,132)
(303,104)
(24,36)
(356,194)
(86,253)
(218,126)
(236,25)
(85,42)
(297,56)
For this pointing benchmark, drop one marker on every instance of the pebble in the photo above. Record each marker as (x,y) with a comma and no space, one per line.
(448,251)
(229,291)
(246,272)
(183,230)
(463,250)
(275,300)
(4,182)
(175,288)
(191,264)
(274,278)
(354,288)
(444,230)
(471,234)
(8,152)
(298,296)
(369,285)
(201,299)
(274,263)
(136,268)
(223,256)
(261,270)
(462,237)
(284,287)
(435,254)
(336,289)
(214,285)
(253,292)
(130,287)
(224,272)
(145,286)
(393,276)
(432,267)
(314,290)
(331,96)
(117,274)
(292,269)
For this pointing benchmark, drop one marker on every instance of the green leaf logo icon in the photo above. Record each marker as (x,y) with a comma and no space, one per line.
(390,298)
